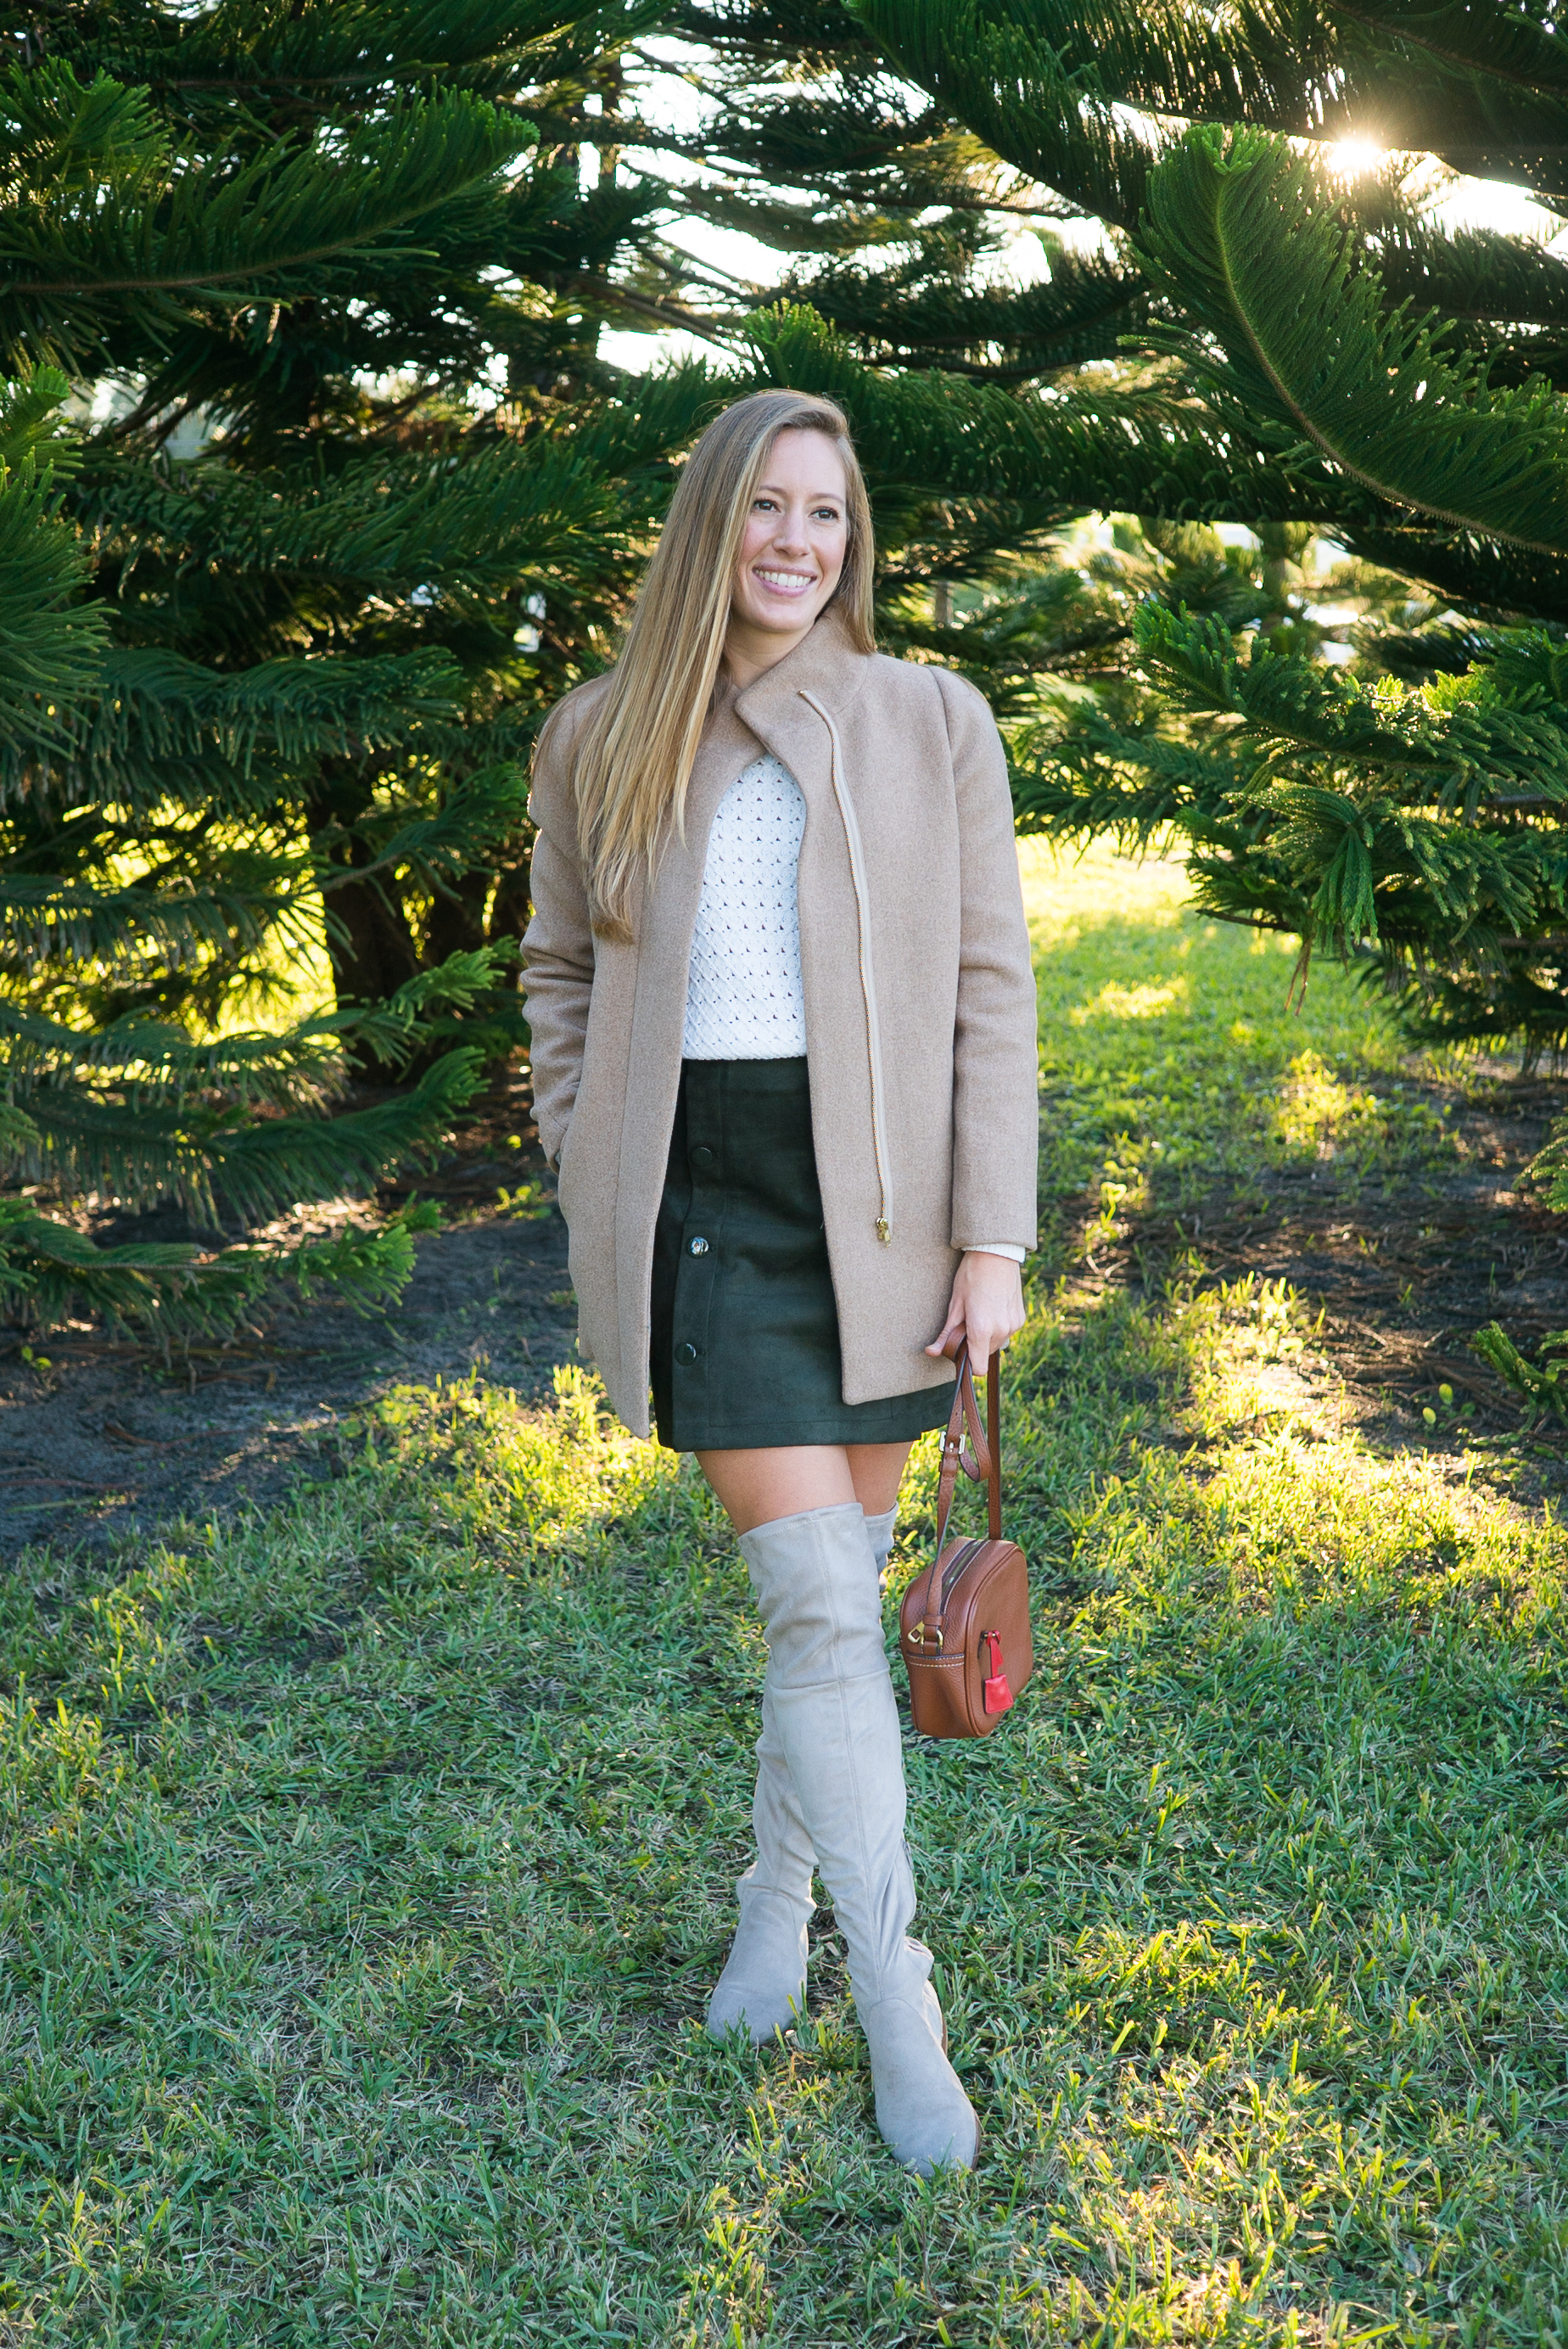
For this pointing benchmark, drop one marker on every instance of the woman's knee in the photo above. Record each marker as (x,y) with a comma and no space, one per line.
(783,1480)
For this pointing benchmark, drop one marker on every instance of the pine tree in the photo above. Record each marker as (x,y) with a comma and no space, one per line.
(885,212)
(317,631)
(361,502)
(366,499)
(1323,355)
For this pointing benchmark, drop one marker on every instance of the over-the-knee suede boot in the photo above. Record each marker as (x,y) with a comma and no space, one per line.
(763,1985)
(830,1695)
(879,1533)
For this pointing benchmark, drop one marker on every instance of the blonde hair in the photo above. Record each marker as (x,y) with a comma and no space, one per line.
(635,755)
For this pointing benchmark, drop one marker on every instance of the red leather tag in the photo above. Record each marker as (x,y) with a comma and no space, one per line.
(998,1695)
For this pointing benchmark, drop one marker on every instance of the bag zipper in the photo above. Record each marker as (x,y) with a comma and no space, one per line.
(964,1557)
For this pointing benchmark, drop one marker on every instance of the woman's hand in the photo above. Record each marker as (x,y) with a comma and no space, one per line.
(986,1307)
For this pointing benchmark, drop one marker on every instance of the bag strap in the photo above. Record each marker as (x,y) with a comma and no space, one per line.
(979,1457)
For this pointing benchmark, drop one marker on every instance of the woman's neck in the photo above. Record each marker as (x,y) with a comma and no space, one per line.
(749,653)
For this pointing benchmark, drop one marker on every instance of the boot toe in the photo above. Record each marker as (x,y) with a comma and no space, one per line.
(949,2140)
(763,1986)
(925,2119)
(755,2008)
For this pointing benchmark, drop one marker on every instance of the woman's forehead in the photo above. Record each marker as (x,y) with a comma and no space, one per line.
(801,456)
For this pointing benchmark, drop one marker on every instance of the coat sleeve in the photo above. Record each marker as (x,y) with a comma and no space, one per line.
(558,945)
(995,1042)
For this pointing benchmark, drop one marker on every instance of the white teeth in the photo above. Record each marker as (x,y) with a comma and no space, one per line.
(784,578)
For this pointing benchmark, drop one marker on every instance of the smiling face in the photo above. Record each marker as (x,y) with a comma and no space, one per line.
(791,554)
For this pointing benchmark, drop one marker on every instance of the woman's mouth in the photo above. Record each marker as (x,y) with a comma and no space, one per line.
(784,582)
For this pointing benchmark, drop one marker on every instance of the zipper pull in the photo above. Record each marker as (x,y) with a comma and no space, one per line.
(998,1695)
(885,1230)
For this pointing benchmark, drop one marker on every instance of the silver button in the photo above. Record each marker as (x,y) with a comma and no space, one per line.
(697,1248)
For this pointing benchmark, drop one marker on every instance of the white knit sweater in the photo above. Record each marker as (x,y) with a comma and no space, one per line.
(745,1000)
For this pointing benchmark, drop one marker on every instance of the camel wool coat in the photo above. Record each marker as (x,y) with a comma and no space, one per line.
(919,996)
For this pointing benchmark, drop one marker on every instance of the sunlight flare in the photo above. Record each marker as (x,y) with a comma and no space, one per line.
(1351,159)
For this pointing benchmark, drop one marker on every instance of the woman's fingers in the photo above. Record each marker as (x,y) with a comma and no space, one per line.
(952,1328)
(984,1342)
(986,1307)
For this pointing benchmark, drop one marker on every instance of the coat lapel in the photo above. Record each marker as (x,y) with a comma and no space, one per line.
(826,664)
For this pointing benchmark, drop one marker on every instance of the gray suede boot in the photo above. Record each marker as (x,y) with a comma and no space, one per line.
(879,1532)
(831,1698)
(763,1985)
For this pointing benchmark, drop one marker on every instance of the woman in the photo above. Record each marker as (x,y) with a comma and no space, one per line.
(784,1055)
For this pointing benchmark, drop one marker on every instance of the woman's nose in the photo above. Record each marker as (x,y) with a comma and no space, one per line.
(789,537)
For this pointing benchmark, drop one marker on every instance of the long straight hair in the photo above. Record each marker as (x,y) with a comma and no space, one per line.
(635,756)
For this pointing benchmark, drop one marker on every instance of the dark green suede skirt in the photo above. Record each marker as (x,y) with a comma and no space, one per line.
(745,1329)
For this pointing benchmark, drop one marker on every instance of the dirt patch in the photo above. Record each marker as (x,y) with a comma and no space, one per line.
(112,1438)
(1404,1273)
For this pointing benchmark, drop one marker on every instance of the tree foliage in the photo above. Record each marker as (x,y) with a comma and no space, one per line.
(1363,370)
(269,663)
(318,489)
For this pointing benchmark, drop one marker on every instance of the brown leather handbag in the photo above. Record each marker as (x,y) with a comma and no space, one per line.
(964,1629)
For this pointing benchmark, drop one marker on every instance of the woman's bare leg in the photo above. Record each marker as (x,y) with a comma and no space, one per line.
(786,1480)
(781,1481)
(877,1471)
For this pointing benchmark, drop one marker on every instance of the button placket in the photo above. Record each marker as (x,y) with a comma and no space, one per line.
(699,1232)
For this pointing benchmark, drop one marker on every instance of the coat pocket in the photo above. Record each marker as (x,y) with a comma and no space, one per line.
(563,1167)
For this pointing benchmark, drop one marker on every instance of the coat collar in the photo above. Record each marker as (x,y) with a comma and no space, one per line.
(725,749)
(825,663)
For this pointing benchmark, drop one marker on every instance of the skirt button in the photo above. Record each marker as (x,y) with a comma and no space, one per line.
(697,1248)
(686,1353)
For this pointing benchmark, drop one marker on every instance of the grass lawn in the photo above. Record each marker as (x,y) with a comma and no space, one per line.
(369,1864)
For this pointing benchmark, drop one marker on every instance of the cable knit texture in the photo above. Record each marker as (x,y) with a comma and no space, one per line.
(744,997)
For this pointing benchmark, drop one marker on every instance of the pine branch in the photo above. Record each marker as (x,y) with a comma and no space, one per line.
(50,921)
(924,313)
(1241,234)
(1484,89)
(170,1292)
(160,726)
(937,439)
(326,52)
(472,518)
(217,1163)
(998,70)
(295,222)
(260,1167)
(49,647)
(479,816)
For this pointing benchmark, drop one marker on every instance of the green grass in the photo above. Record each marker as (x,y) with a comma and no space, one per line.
(370,1864)
(1171,1058)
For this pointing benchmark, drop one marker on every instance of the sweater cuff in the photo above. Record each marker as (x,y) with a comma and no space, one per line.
(997,1248)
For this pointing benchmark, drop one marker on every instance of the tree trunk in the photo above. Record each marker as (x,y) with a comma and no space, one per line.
(368,940)
(456,923)
(512,904)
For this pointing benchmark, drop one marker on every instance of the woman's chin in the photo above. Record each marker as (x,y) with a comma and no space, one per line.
(784,618)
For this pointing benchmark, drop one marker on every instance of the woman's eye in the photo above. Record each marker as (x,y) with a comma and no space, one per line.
(826,513)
